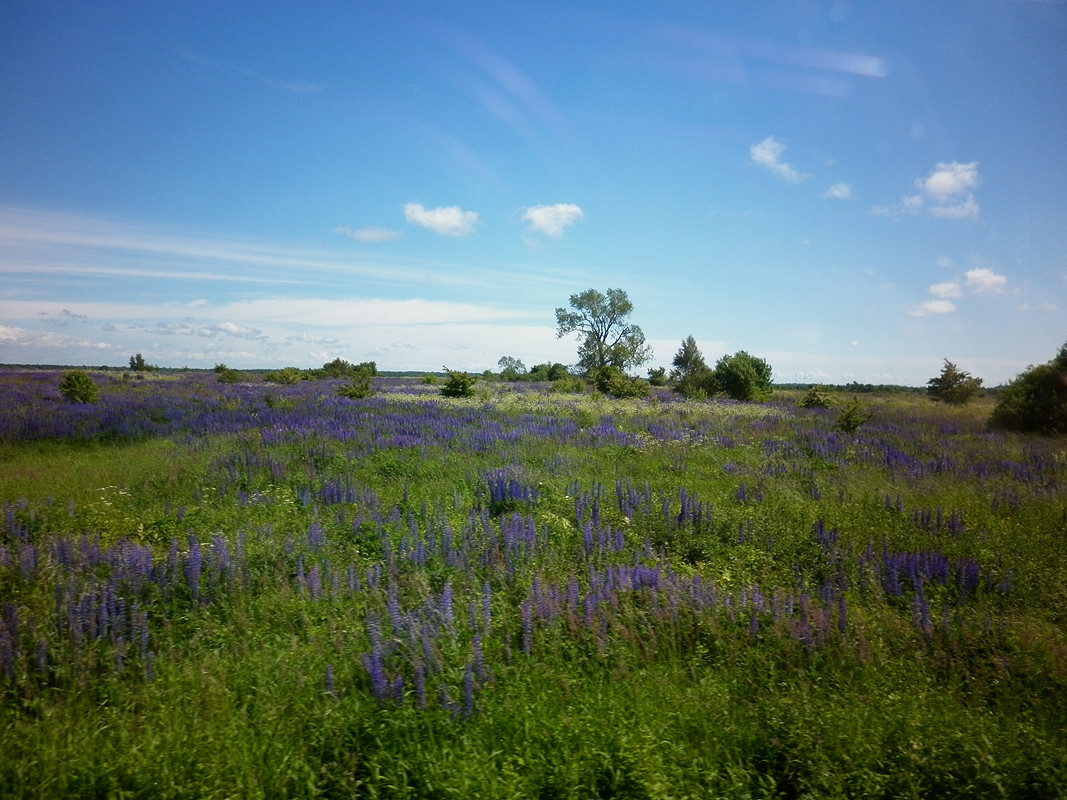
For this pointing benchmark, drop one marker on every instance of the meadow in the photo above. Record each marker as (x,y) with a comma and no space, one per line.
(257,590)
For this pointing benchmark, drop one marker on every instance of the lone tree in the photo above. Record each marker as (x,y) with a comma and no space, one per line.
(743,376)
(608,340)
(953,386)
(78,387)
(691,375)
(1036,401)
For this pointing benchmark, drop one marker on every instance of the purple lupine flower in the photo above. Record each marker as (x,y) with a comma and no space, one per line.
(314,583)
(527,626)
(445,606)
(487,606)
(479,660)
(420,686)
(379,685)
(329,681)
(392,603)
(468,692)
(150,667)
(193,565)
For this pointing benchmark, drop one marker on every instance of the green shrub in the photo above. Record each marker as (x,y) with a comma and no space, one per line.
(571,384)
(743,376)
(953,386)
(614,382)
(286,375)
(459,384)
(817,397)
(1036,401)
(852,416)
(429,379)
(360,385)
(78,387)
(226,375)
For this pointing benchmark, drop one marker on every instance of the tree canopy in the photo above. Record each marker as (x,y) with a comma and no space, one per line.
(953,386)
(608,340)
(1036,401)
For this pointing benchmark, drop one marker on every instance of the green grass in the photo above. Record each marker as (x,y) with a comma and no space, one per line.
(644,694)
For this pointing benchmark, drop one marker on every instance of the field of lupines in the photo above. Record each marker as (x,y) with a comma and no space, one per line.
(255,590)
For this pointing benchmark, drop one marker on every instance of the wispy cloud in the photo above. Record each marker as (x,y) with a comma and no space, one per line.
(932,307)
(552,220)
(36,243)
(839,191)
(370,234)
(768,154)
(445,220)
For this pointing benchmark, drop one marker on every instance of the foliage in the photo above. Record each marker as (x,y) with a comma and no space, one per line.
(548,372)
(458,384)
(614,382)
(953,386)
(78,387)
(511,369)
(852,416)
(743,377)
(226,375)
(657,376)
(691,376)
(138,364)
(608,340)
(286,376)
(430,379)
(1036,401)
(817,397)
(360,385)
(570,384)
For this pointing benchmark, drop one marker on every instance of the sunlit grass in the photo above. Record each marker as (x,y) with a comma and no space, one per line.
(523,594)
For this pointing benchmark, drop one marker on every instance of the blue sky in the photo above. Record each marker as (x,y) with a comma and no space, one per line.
(850,190)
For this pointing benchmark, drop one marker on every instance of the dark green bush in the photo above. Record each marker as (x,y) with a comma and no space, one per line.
(78,387)
(1036,401)
(817,397)
(953,386)
(614,382)
(459,384)
(743,377)
(852,416)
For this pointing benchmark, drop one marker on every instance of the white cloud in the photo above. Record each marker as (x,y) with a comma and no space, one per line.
(949,187)
(551,220)
(445,220)
(984,281)
(932,307)
(768,154)
(946,291)
(839,191)
(370,235)
(966,209)
(950,180)
(945,193)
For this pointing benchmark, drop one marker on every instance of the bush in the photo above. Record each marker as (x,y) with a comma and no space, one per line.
(571,384)
(817,397)
(852,416)
(78,387)
(458,384)
(226,375)
(953,386)
(743,377)
(614,382)
(285,375)
(1036,401)
(360,385)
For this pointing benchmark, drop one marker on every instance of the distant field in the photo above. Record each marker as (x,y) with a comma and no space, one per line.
(262,590)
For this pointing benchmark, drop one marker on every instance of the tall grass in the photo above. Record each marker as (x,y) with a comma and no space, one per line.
(284,593)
